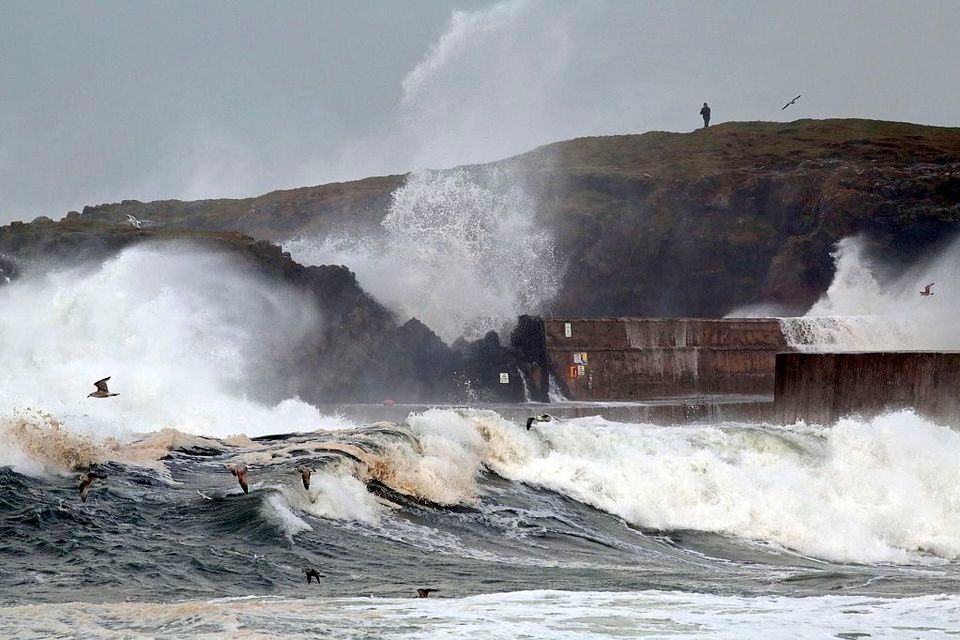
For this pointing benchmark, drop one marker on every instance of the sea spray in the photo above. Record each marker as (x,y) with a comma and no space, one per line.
(34,444)
(335,494)
(555,393)
(276,509)
(863,310)
(460,250)
(185,333)
(530,613)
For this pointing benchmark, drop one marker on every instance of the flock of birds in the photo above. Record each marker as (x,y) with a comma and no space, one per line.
(239,471)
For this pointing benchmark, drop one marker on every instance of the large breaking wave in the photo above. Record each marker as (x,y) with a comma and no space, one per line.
(459,249)
(859,491)
(185,333)
(873,491)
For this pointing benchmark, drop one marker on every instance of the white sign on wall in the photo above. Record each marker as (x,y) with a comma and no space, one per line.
(577,359)
(567,329)
(504,378)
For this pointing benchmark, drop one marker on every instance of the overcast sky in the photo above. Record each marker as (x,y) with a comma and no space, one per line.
(101,101)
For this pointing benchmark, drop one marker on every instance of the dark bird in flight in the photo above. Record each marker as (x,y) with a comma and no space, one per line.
(791,102)
(85,480)
(312,573)
(425,593)
(305,472)
(927,290)
(239,471)
(102,390)
(545,417)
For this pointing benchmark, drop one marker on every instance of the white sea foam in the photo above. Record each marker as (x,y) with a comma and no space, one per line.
(877,491)
(275,508)
(183,332)
(589,615)
(459,250)
(868,309)
(336,495)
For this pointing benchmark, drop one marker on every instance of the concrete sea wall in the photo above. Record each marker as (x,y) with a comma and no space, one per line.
(824,387)
(646,358)
(664,412)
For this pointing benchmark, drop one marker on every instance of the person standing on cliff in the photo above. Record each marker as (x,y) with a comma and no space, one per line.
(705,112)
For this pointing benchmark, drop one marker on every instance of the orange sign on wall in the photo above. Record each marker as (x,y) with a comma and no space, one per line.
(573,371)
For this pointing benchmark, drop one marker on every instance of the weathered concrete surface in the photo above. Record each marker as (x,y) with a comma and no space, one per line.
(661,412)
(645,358)
(824,387)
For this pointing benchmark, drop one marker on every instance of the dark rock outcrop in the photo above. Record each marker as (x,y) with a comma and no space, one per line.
(362,353)
(528,342)
(659,224)
(697,224)
(9,271)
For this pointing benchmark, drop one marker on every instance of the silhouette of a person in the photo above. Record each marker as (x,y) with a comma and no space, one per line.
(705,112)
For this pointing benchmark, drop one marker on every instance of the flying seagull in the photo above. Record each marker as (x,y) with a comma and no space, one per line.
(545,417)
(102,390)
(312,573)
(425,593)
(85,480)
(133,222)
(927,290)
(305,472)
(240,472)
(791,102)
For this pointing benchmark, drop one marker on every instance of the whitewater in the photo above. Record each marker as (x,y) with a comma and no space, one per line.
(577,528)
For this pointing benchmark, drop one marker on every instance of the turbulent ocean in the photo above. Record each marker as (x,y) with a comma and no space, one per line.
(576,529)
(579,528)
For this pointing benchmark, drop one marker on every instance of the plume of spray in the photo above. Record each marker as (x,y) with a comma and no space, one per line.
(487,70)
(185,333)
(864,310)
(458,249)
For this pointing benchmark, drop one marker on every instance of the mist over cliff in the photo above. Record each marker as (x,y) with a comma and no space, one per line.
(660,224)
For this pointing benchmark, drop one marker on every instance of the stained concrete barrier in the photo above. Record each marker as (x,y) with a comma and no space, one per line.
(821,388)
(645,358)
(661,412)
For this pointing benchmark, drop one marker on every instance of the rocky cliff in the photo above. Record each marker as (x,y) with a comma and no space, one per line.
(697,224)
(363,352)
(659,224)
(674,224)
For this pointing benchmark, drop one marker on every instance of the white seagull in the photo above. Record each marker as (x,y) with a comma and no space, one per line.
(132,220)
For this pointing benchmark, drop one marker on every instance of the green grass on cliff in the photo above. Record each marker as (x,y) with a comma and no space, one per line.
(742,144)
(650,156)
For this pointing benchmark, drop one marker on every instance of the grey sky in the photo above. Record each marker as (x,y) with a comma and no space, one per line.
(101,101)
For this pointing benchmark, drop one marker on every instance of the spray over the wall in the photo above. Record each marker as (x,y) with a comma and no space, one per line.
(865,309)
(460,250)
